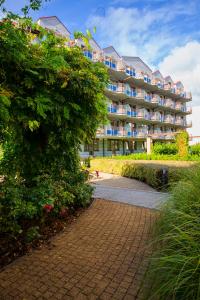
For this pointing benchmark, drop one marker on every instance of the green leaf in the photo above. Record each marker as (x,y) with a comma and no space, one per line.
(66,113)
(5,100)
(33,125)
(64,84)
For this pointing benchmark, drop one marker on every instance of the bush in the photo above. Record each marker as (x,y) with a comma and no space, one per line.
(153,174)
(20,204)
(195,149)
(164,148)
(174,272)
(147,171)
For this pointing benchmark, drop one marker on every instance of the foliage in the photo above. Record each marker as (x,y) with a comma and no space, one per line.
(51,100)
(153,156)
(182,140)
(165,148)
(48,195)
(154,175)
(31,5)
(174,272)
(146,171)
(195,149)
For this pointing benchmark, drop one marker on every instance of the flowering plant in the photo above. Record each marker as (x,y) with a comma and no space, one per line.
(48,208)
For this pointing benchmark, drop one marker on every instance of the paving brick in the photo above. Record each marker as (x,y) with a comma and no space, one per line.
(103,255)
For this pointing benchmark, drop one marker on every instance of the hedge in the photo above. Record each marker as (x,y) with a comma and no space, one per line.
(148,172)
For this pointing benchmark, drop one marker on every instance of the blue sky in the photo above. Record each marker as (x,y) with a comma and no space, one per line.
(146,28)
(165,34)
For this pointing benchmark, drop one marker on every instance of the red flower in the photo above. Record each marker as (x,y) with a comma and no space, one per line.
(48,208)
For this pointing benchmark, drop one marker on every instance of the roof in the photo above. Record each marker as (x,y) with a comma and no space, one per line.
(55,17)
(179,83)
(168,78)
(138,59)
(112,48)
(95,42)
(158,72)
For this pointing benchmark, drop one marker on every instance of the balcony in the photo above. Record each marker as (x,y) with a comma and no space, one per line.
(183,123)
(157,118)
(130,93)
(130,72)
(157,100)
(143,115)
(121,132)
(187,95)
(110,63)
(169,120)
(169,103)
(147,79)
(163,136)
(122,110)
(112,87)
(148,98)
(88,54)
(188,124)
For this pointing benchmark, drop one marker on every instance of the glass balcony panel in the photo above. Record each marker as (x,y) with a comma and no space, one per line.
(113,65)
(134,114)
(107,63)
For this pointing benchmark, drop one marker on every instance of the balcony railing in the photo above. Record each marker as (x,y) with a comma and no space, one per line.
(148,98)
(130,72)
(156,118)
(121,132)
(130,93)
(112,87)
(169,120)
(147,79)
(169,103)
(122,111)
(110,64)
(88,54)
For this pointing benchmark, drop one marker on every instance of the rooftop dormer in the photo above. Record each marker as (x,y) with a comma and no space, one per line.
(158,79)
(168,80)
(142,70)
(54,24)
(112,59)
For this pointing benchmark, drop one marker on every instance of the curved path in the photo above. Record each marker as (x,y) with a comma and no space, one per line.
(125,190)
(102,255)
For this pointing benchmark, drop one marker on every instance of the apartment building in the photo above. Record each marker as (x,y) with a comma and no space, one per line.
(141,103)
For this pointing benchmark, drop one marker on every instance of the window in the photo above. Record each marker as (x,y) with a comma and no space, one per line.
(92,147)
(96,145)
(113,145)
(88,54)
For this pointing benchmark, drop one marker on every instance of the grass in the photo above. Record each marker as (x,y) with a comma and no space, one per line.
(153,156)
(174,272)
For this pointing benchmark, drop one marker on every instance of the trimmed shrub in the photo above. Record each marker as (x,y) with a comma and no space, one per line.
(165,149)
(195,149)
(147,171)
(158,176)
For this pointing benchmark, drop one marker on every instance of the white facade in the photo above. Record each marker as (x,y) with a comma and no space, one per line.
(141,103)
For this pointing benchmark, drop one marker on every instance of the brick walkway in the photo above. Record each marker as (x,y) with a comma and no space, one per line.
(101,256)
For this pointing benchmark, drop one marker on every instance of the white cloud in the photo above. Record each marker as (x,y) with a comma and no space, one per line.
(183,63)
(145,32)
(151,34)
(195,130)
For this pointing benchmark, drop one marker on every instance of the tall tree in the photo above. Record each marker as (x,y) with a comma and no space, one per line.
(51,99)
